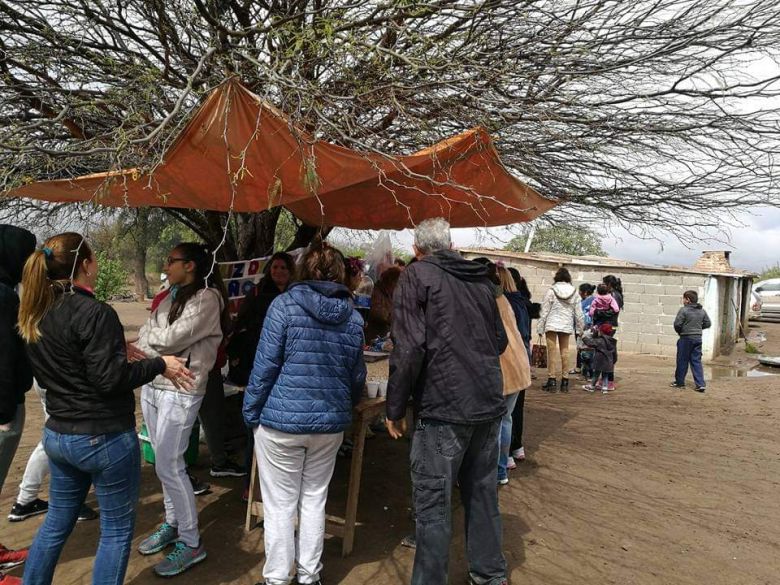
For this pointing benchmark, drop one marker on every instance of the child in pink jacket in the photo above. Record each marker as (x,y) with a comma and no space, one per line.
(604,307)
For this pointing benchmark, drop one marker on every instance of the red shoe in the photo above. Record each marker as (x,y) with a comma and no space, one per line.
(11,558)
(9,580)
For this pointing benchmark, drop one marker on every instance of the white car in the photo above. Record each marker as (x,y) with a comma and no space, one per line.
(754,313)
(769,291)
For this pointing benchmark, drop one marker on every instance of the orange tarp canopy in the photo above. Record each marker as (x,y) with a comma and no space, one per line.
(238,152)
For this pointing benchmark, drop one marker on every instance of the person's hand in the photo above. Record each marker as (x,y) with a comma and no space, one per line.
(396,428)
(133,353)
(177,373)
(5,428)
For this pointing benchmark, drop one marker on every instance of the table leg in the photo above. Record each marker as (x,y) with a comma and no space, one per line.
(251,498)
(353,493)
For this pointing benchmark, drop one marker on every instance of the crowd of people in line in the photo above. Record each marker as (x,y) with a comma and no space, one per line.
(461,331)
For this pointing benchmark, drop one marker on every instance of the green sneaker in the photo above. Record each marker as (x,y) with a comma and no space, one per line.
(158,540)
(181,558)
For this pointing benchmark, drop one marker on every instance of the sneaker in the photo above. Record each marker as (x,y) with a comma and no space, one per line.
(676,385)
(21,512)
(409,541)
(589,388)
(510,463)
(229,469)
(181,558)
(9,580)
(503,480)
(700,388)
(519,454)
(198,487)
(605,390)
(86,513)
(158,540)
(11,558)
(574,371)
(611,386)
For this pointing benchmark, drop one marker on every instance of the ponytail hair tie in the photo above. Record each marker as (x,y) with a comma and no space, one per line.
(48,252)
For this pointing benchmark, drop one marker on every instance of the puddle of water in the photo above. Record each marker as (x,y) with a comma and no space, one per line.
(721,372)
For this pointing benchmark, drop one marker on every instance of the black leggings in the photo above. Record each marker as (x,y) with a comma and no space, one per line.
(517,422)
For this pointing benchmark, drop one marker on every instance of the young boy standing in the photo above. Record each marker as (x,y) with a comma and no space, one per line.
(691,320)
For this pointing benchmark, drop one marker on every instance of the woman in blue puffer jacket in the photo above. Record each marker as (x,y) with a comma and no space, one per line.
(308,375)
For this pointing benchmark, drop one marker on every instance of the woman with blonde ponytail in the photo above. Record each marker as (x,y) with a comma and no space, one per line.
(77,349)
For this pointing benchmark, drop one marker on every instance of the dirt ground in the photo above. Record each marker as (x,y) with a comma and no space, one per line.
(644,485)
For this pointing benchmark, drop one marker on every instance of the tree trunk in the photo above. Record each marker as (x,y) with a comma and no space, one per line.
(140,243)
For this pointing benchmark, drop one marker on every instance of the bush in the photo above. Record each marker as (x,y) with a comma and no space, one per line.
(112,278)
(770,272)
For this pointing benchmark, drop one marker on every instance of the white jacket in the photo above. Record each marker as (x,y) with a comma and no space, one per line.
(195,336)
(561,310)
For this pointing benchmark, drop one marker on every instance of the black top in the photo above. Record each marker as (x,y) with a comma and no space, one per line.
(242,347)
(81,362)
(448,336)
(16,244)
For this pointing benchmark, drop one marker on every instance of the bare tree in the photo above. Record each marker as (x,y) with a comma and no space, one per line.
(651,112)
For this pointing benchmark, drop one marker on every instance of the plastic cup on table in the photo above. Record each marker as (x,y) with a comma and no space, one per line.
(372,388)
(383,388)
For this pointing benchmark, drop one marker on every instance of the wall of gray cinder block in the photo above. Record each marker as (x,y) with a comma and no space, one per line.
(652,298)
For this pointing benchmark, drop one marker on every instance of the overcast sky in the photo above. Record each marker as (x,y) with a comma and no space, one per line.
(754,246)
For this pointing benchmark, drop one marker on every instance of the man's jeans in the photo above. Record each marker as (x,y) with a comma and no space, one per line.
(112,463)
(689,352)
(443,453)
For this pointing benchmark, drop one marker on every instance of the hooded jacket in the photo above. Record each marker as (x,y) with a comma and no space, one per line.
(604,352)
(309,370)
(195,336)
(691,320)
(447,336)
(16,245)
(561,310)
(521,305)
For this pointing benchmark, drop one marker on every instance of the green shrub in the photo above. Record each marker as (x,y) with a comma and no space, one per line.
(112,278)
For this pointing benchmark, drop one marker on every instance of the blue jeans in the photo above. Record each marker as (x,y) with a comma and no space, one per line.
(113,464)
(689,353)
(505,435)
(442,454)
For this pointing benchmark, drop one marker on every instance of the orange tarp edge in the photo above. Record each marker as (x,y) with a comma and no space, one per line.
(239,153)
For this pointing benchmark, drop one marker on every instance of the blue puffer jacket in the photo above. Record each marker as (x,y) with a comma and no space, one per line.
(309,370)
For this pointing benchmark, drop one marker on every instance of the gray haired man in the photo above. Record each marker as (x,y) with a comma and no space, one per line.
(448,336)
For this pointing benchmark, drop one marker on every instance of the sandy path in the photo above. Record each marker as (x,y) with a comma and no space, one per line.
(645,485)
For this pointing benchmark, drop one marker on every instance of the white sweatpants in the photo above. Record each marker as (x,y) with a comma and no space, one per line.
(169,418)
(295,471)
(37,465)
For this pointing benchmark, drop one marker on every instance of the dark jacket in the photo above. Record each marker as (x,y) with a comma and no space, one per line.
(604,352)
(448,336)
(521,306)
(81,361)
(608,315)
(309,370)
(16,245)
(691,320)
(242,347)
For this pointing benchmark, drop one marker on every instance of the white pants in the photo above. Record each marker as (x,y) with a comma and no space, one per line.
(37,465)
(295,471)
(169,418)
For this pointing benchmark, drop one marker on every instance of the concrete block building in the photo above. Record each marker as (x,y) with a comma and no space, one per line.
(652,295)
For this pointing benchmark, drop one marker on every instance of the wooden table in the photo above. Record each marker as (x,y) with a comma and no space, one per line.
(364,413)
